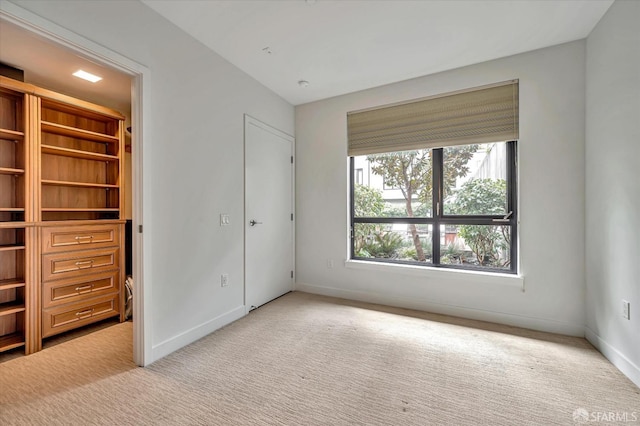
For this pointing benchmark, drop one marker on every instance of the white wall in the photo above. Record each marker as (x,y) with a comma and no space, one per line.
(551,168)
(613,185)
(193,161)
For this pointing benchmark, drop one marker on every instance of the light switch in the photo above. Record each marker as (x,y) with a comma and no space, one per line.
(224,219)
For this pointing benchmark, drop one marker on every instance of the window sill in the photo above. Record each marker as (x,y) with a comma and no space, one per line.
(441,273)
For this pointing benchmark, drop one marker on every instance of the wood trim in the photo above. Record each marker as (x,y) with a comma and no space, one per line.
(122,274)
(75,153)
(11,171)
(33,340)
(121,180)
(18,86)
(72,132)
(68,100)
(11,135)
(56,223)
(78,184)
(36,162)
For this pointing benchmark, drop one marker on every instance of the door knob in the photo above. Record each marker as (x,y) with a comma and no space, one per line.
(252,222)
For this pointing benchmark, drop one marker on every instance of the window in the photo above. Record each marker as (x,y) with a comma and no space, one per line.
(457,209)
(453,202)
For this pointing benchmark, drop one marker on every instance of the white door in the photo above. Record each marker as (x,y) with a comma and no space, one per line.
(268,213)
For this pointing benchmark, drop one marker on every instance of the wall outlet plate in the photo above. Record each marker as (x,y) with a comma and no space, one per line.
(224,219)
(626,313)
(224,280)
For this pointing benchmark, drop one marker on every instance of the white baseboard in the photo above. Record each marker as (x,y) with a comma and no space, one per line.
(616,358)
(532,323)
(183,339)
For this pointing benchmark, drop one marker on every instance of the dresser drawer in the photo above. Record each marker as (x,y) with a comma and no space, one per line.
(59,292)
(67,317)
(67,238)
(76,264)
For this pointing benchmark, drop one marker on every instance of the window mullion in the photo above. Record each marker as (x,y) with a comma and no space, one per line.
(352,208)
(438,205)
(512,200)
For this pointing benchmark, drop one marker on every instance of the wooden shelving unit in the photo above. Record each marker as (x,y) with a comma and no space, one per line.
(15,262)
(80,163)
(61,199)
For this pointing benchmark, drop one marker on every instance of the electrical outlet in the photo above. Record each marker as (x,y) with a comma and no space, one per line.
(224,280)
(330,263)
(626,314)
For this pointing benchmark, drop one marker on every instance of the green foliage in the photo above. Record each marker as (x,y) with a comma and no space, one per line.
(393,211)
(408,253)
(381,244)
(455,161)
(409,171)
(452,253)
(481,196)
(412,171)
(368,202)
(484,196)
(388,244)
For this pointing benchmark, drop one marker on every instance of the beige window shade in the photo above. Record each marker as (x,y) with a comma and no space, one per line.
(486,114)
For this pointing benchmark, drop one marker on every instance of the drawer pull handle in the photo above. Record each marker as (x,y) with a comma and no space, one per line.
(83,288)
(89,264)
(84,238)
(83,313)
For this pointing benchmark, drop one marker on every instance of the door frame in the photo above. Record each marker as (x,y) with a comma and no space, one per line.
(249,120)
(140,120)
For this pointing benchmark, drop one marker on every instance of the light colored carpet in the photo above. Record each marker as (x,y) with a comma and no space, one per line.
(312,360)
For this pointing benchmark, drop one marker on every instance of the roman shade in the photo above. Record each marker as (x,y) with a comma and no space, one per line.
(479,115)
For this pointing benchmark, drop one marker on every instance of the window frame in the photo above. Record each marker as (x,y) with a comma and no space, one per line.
(438,218)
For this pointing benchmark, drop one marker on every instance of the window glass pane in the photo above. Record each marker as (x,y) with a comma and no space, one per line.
(359,176)
(475,179)
(396,241)
(486,246)
(397,184)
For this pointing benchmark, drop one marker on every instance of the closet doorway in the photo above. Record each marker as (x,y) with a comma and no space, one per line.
(20,26)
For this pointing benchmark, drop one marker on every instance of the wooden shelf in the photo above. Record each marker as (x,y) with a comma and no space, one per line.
(85,155)
(11,247)
(12,283)
(11,135)
(73,132)
(11,209)
(11,308)
(11,341)
(79,184)
(10,171)
(65,209)
(14,225)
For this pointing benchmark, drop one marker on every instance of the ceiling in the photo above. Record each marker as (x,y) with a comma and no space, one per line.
(49,65)
(341,46)
(338,46)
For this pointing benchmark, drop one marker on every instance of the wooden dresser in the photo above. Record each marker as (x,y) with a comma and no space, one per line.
(81,275)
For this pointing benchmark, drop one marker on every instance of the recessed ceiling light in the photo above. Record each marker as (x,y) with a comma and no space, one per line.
(303,83)
(87,76)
